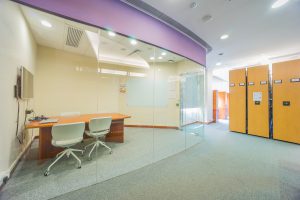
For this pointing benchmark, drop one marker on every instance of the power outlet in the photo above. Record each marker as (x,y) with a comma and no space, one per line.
(28,112)
(16,93)
(5,179)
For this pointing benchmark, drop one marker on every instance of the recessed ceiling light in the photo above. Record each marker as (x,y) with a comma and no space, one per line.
(218,63)
(224,37)
(279,3)
(152,58)
(221,54)
(163,53)
(111,33)
(46,24)
(159,57)
(133,42)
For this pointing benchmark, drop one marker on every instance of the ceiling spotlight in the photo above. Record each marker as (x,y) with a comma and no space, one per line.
(279,3)
(46,24)
(221,54)
(163,53)
(224,37)
(111,33)
(218,63)
(133,42)
(159,57)
(152,58)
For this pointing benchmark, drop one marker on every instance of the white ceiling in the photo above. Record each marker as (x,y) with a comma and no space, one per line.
(257,33)
(95,43)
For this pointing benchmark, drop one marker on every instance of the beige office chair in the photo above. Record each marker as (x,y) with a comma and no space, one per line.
(67,135)
(98,127)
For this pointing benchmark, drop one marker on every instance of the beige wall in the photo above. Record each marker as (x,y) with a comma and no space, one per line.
(17,49)
(59,87)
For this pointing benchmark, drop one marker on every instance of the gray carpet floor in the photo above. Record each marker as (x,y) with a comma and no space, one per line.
(223,166)
(142,147)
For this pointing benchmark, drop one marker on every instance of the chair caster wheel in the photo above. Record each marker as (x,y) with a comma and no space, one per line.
(89,158)
(82,154)
(110,152)
(79,167)
(46,173)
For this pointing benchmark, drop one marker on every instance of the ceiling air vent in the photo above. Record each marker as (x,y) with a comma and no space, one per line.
(73,37)
(134,52)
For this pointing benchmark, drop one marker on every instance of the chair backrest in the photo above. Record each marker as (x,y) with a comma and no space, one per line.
(100,124)
(69,114)
(61,132)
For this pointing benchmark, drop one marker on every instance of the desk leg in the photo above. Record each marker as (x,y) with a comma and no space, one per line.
(116,132)
(46,150)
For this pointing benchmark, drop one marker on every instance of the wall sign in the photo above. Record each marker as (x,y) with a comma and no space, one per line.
(263,82)
(257,96)
(294,80)
(277,81)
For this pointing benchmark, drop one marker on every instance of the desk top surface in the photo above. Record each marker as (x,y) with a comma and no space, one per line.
(73,119)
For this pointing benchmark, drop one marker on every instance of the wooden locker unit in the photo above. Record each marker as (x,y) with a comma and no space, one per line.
(258,111)
(222,105)
(237,103)
(286,101)
(215,105)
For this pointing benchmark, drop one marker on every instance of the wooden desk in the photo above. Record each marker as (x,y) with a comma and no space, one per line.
(46,150)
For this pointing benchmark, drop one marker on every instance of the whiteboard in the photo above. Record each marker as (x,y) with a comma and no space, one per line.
(146,92)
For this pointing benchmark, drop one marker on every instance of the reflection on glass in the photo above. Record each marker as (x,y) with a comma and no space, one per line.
(126,78)
(178,111)
(192,102)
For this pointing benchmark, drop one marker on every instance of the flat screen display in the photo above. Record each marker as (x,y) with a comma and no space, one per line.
(26,84)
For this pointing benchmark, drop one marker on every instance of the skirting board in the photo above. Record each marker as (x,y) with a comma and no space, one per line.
(152,126)
(198,122)
(13,166)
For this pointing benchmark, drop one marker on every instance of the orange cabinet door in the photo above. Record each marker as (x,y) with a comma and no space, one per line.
(237,103)
(286,101)
(258,101)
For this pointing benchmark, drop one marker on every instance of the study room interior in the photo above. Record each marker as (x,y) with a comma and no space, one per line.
(151,98)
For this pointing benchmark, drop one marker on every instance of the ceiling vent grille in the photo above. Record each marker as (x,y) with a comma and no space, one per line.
(73,37)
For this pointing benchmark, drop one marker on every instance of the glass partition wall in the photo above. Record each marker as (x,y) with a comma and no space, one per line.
(82,70)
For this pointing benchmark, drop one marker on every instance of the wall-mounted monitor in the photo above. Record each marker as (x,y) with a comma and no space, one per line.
(26,84)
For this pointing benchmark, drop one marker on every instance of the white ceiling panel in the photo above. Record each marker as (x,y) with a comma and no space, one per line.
(255,29)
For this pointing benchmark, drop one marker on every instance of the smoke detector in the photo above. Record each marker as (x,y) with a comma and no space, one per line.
(194,5)
(206,18)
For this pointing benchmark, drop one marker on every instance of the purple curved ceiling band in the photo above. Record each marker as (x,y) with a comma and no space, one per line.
(123,19)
